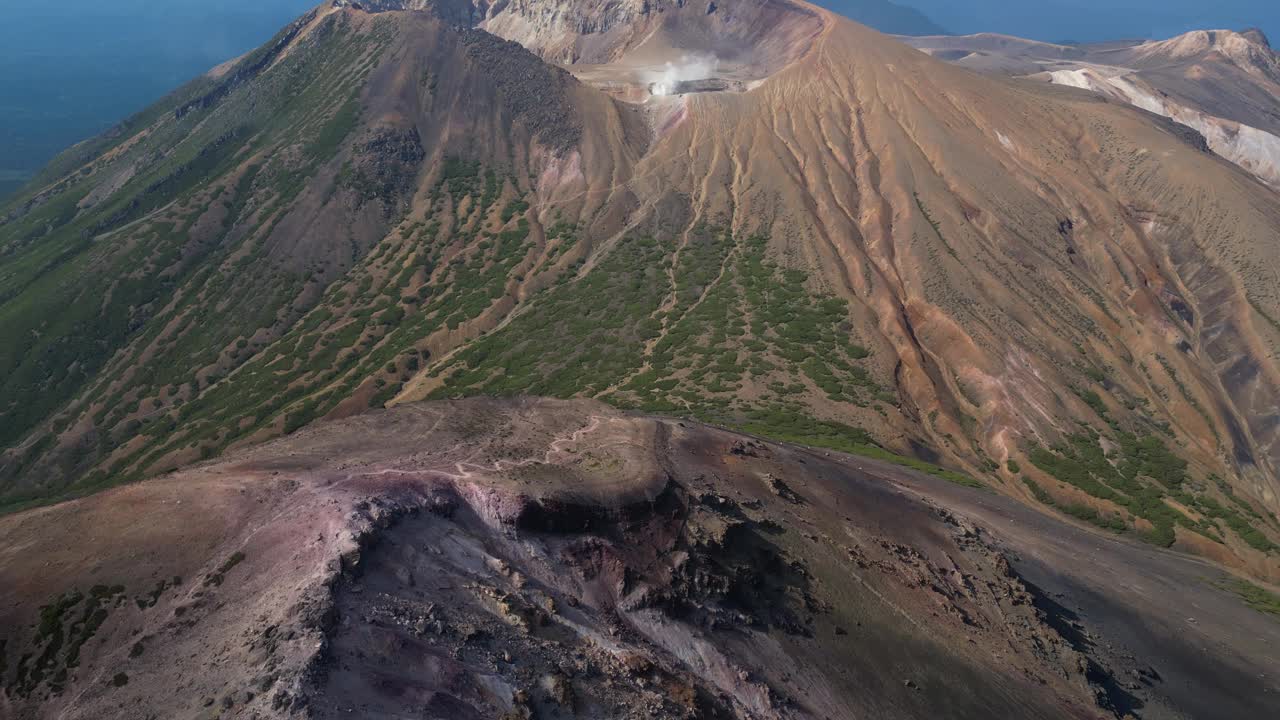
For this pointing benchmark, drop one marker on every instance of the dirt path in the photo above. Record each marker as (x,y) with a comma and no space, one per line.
(466,470)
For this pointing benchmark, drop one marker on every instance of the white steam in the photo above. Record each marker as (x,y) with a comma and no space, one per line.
(688,67)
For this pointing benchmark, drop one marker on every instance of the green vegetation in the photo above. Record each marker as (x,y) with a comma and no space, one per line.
(1038,492)
(89,309)
(514,208)
(582,335)
(1232,518)
(1093,400)
(795,427)
(732,313)
(1258,598)
(1140,474)
(1080,461)
(326,142)
(1106,522)
(1078,511)
(686,342)
(65,625)
(420,280)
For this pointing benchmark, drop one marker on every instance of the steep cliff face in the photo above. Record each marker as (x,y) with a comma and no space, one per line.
(837,240)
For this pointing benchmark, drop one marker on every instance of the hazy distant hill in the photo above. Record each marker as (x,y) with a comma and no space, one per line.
(1223,84)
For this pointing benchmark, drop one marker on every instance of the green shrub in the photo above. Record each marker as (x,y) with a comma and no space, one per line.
(1254,596)
(1038,492)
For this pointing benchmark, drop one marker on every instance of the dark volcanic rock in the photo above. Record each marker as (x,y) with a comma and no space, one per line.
(533,91)
(548,559)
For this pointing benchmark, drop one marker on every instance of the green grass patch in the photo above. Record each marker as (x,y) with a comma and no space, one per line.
(801,429)
(1256,597)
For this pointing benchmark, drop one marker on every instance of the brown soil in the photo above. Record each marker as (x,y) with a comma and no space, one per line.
(549,559)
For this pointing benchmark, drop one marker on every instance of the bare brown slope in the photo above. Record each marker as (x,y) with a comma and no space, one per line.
(1066,229)
(766,34)
(475,558)
(1224,84)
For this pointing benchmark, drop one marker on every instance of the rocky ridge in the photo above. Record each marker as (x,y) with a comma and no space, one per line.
(571,561)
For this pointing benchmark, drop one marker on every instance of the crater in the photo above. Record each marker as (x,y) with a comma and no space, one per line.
(645,50)
(638,50)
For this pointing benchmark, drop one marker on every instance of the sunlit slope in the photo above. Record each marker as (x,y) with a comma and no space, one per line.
(1223,84)
(842,242)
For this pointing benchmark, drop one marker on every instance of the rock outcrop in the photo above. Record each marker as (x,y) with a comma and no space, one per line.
(568,560)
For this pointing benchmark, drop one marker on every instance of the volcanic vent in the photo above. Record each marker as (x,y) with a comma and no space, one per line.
(676,48)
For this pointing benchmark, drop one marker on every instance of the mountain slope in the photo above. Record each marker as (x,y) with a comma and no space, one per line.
(555,559)
(819,185)
(220,219)
(812,231)
(1223,84)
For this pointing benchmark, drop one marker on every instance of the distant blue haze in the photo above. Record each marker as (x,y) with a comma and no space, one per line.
(70,69)
(1094,20)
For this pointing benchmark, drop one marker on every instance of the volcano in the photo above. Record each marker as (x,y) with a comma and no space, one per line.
(755,215)
(490,558)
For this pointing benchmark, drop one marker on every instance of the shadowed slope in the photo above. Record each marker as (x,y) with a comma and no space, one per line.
(480,558)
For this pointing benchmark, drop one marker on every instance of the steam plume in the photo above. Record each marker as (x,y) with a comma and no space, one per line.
(688,67)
